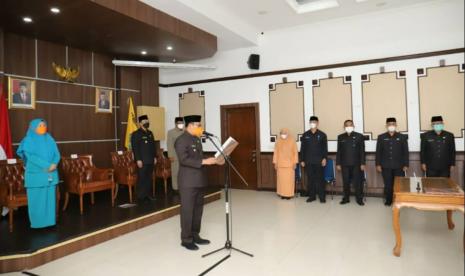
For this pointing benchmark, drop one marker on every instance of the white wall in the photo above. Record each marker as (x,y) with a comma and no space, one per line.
(256,90)
(416,29)
(420,28)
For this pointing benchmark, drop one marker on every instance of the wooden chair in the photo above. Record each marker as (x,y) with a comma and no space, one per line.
(125,170)
(162,170)
(12,191)
(82,177)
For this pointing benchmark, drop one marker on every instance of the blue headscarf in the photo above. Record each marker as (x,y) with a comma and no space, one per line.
(41,146)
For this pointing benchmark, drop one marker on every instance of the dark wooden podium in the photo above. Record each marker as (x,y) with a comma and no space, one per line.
(426,194)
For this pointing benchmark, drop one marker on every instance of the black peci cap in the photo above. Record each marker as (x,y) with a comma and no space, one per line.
(192,119)
(436,119)
(390,120)
(143,117)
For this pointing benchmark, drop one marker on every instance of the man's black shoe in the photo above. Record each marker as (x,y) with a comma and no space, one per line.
(201,241)
(322,200)
(190,245)
(360,202)
(310,199)
(344,201)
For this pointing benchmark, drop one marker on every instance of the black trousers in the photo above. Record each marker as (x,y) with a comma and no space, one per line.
(352,175)
(144,181)
(191,212)
(388,178)
(315,182)
(438,172)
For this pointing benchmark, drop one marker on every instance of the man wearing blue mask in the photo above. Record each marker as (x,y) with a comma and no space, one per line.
(437,150)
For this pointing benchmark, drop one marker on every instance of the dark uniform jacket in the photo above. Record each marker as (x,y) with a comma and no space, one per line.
(350,149)
(437,151)
(392,151)
(313,147)
(143,146)
(190,154)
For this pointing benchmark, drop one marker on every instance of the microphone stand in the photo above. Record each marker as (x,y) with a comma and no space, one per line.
(227,183)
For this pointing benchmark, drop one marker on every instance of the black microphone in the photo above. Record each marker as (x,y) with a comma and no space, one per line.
(208,134)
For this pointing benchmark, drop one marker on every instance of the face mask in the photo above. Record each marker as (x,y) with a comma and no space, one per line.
(391,128)
(438,127)
(349,129)
(41,129)
(312,125)
(198,131)
(146,125)
(283,136)
(180,126)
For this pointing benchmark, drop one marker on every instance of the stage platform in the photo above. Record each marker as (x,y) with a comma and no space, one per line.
(27,248)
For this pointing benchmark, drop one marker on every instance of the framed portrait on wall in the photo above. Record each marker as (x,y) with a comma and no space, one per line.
(21,93)
(103,100)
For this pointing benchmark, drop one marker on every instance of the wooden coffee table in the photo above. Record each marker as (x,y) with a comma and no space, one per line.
(426,194)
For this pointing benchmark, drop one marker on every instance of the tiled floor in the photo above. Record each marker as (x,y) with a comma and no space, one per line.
(287,237)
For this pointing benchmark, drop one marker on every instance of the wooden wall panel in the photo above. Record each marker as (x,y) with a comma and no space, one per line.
(104,74)
(66,123)
(69,108)
(19,54)
(65,93)
(149,86)
(130,78)
(83,60)
(47,53)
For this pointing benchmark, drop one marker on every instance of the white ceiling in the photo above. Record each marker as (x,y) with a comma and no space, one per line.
(237,23)
(279,14)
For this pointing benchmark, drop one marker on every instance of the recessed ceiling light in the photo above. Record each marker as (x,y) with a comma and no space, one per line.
(169,47)
(27,19)
(55,10)
(262,12)
(143,52)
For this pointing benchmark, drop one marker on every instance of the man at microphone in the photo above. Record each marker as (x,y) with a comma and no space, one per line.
(192,180)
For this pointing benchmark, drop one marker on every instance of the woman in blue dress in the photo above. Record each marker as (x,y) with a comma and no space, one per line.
(41,156)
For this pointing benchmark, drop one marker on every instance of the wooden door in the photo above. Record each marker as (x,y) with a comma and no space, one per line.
(241,123)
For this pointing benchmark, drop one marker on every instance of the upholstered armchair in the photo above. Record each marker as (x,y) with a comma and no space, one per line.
(12,191)
(162,170)
(82,177)
(125,172)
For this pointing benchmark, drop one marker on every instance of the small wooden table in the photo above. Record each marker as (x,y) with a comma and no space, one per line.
(427,194)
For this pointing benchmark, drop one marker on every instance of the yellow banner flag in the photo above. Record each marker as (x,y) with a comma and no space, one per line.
(131,126)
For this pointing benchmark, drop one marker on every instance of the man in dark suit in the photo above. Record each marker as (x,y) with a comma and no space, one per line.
(391,157)
(23,96)
(103,102)
(350,158)
(192,181)
(313,154)
(143,147)
(437,150)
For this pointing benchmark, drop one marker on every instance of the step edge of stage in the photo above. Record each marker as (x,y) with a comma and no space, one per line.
(15,257)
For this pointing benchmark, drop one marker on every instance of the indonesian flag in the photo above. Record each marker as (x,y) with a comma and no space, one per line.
(5,133)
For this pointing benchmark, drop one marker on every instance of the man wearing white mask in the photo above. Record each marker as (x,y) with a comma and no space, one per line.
(313,155)
(350,159)
(173,134)
(391,157)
